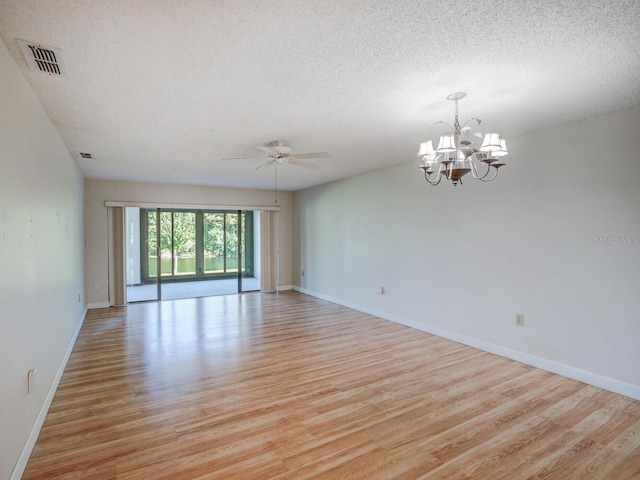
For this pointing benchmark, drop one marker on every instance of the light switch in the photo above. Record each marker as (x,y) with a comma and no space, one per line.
(33,373)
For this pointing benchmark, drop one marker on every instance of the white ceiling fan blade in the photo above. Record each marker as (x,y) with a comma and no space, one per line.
(240,158)
(267,150)
(314,155)
(299,163)
(266,164)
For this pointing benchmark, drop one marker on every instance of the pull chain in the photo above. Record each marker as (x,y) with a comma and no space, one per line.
(275,182)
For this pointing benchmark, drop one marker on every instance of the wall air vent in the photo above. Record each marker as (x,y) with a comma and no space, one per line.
(43,59)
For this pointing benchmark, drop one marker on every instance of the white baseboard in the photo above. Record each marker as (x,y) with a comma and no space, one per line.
(23,459)
(597,380)
(279,288)
(91,306)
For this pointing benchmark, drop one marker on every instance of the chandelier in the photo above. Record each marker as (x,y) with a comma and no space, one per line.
(456,156)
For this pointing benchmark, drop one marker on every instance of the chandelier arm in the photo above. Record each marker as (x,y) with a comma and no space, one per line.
(446,172)
(477,120)
(474,169)
(439,175)
(443,123)
(433,182)
(489,179)
(476,175)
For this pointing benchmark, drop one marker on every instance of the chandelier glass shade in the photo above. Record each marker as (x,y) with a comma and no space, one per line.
(455,156)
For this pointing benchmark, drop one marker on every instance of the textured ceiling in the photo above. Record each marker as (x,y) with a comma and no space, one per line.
(163,90)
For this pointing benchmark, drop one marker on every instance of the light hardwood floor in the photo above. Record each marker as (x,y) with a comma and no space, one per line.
(286,386)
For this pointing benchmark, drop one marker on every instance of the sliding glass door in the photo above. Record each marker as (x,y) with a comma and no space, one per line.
(176,236)
(179,253)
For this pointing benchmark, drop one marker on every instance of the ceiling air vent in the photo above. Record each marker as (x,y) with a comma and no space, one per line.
(43,59)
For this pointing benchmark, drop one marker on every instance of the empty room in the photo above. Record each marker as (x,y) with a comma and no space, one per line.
(319,240)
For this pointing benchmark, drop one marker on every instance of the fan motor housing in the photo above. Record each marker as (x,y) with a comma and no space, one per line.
(282,150)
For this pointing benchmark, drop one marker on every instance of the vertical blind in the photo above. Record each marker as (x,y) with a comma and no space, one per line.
(269,251)
(116,228)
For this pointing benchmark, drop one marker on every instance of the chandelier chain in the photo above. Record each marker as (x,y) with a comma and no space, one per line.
(456,124)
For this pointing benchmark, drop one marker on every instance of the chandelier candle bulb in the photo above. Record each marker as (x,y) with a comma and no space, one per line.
(456,155)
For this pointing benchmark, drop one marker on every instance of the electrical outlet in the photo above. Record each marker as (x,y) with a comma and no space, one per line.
(96,288)
(520,319)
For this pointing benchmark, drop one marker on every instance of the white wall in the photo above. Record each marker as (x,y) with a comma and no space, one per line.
(99,191)
(462,261)
(41,262)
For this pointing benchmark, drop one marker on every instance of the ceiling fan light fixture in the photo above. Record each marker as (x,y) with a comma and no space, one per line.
(279,153)
(282,150)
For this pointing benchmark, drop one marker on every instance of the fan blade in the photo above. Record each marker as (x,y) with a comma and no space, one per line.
(314,155)
(267,150)
(298,163)
(240,158)
(266,164)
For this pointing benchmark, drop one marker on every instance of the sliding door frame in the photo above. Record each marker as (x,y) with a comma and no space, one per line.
(269,249)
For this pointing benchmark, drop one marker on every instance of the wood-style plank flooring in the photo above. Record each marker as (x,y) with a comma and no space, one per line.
(286,386)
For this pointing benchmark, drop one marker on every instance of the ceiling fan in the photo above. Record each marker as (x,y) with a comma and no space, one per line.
(279,153)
